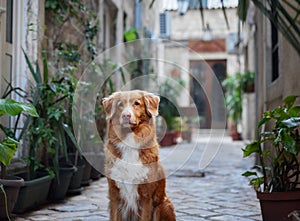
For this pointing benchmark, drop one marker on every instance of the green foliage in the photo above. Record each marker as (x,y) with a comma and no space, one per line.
(130,35)
(62,12)
(8,148)
(233,97)
(47,134)
(69,52)
(235,85)
(279,165)
(13,108)
(243,9)
(8,145)
(90,32)
(64,9)
(168,102)
(248,81)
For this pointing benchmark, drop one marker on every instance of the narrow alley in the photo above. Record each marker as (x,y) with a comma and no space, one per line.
(219,192)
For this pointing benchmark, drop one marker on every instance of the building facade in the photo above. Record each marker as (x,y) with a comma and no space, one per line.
(204,50)
(34,26)
(273,59)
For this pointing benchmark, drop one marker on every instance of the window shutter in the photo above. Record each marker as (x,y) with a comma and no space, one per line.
(164,23)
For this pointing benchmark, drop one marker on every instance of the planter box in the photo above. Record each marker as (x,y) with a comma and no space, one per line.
(11,187)
(278,205)
(59,186)
(75,182)
(86,178)
(33,193)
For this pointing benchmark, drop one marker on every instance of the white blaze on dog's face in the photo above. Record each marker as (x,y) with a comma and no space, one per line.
(129,109)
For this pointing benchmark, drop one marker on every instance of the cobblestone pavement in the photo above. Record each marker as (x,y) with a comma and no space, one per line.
(221,194)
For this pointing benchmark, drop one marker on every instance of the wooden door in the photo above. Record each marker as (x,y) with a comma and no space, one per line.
(202,87)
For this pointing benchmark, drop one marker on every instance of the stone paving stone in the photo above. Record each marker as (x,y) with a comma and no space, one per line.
(228,204)
(188,218)
(239,212)
(200,213)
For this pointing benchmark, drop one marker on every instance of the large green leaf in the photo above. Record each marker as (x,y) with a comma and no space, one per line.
(289,143)
(263,121)
(68,130)
(289,101)
(249,173)
(8,148)
(251,148)
(243,9)
(13,108)
(256,182)
(294,111)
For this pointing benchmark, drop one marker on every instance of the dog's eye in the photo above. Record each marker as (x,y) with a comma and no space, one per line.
(136,103)
(120,104)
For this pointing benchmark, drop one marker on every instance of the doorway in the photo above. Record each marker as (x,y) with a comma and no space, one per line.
(202,87)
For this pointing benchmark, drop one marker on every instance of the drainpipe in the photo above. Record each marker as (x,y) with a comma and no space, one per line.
(137,15)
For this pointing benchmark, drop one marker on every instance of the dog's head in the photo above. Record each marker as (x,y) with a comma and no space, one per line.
(129,109)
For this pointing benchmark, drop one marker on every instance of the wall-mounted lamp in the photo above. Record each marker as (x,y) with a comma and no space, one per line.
(2,10)
(207,34)
(182,6)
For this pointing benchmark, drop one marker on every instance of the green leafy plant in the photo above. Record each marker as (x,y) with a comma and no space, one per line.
(248,81)
(8,145)
(131,35)
(168,102)
(48,134)
(233,97)
(279,165)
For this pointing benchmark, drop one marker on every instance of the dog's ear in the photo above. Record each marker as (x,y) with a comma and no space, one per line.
(151,103)
(109,105)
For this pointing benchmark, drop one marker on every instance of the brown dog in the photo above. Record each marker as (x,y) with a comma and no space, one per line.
(137,183)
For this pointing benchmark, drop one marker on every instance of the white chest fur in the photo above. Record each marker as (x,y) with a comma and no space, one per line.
(128,172)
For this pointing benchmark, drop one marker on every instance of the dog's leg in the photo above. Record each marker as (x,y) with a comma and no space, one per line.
(146,209)
(156,214)
(164,212)
(114,196)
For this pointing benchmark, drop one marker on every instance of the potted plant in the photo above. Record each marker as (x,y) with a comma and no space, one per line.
(46,140)
(10,185)
(168,108)
(233,100)
(248,81)
(48,134)
(277,181)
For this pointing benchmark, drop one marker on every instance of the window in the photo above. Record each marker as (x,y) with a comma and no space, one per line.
(164,25)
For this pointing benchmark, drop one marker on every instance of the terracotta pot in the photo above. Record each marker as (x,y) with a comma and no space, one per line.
(168,139)
(234,134)
(278,205)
